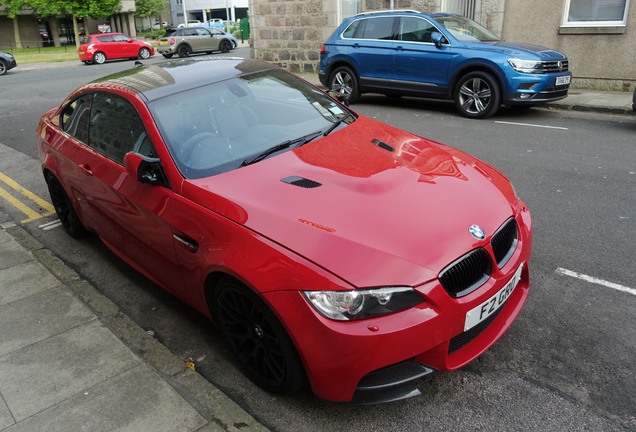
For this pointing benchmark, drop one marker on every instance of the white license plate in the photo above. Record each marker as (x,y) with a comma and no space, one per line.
(490,306)
(563,80)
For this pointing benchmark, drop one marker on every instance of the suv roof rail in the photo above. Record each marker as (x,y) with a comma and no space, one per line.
(388,10)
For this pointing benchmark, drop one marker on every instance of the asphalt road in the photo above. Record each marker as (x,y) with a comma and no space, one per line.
(568,363)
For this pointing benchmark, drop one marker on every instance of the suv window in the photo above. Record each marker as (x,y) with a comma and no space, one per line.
(371,28)
(415,29)
(202,32)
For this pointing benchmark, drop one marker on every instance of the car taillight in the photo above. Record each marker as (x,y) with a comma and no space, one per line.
(323,50)
(172,41)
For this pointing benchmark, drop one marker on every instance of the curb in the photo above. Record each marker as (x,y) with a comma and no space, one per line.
(221,413)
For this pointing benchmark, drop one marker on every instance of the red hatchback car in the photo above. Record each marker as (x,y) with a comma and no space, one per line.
(328,247)
(97,48)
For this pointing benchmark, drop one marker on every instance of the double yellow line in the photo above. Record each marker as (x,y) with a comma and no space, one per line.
(15,202)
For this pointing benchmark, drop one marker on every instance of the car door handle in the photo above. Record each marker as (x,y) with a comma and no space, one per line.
(190,244)
(86,168)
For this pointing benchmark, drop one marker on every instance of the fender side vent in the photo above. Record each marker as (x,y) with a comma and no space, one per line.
(301,182)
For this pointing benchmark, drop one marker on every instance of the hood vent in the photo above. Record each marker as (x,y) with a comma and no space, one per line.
(301,182)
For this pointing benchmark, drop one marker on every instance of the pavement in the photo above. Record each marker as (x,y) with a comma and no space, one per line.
(70,360)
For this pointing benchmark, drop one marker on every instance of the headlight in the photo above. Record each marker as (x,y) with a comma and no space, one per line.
(361,304)
(526,66)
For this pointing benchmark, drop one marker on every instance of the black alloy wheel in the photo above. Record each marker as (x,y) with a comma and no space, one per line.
(258,339)
(225,46)
(184,51)
(477,95)
(64,208)
(345,82)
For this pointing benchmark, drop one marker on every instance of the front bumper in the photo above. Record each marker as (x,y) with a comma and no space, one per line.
(382,359)
(536,88)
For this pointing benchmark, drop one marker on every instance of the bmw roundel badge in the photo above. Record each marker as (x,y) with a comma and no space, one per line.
(477,232)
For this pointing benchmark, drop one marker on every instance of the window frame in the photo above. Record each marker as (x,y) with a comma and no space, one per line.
(607,23)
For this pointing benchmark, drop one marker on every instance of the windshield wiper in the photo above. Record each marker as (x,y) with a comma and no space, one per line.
(285,144)
(336,124)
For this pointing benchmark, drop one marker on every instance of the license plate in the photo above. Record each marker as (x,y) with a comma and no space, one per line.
(563,80)
(490,306)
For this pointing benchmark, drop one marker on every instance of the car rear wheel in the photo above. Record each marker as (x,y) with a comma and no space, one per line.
(258,339)
(225,46)
(167,56)
(345,82)
(64,208)
(144,53)
(477,95)
(99,58)
(3,68)
(184,51)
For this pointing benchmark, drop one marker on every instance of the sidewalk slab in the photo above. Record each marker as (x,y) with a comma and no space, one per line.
(70,360)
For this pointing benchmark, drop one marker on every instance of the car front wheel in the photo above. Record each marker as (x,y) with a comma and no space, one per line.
(345,82)
(477,95)
(144,53)
(225,47)
(257,338)
(99,58)
(3,68)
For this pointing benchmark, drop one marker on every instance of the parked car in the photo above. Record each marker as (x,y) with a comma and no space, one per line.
(97,48)
(328,247)
(439,55)
(185,41)
(7,62)
(190,23)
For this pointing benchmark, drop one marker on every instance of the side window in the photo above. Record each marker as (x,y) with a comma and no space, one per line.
(350,32)
(75,118)
(202,32)
(116,128)
(105,38)
(413,29)
(120,38)
(379,28)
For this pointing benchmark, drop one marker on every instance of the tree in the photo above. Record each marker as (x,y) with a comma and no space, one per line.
(148,8)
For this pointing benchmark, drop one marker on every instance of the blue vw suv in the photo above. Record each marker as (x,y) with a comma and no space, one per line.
(439,55)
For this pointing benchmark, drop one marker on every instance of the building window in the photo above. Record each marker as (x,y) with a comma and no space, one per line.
(348,8)
(595,13)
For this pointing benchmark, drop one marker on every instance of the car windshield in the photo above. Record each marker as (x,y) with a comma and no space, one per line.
(466,30)
(242,120)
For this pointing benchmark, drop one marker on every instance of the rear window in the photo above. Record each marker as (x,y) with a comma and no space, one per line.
(172,31)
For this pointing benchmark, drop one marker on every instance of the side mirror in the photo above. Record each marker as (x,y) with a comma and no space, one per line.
(437,39)
(145,169)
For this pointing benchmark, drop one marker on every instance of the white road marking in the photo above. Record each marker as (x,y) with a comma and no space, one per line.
(50,225)
(594,280)
(532,125)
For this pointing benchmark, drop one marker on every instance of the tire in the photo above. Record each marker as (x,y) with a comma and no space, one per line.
(144,54)
(3,68)
(257,338)
(345,82)
(184,51)
(64,208)
(167,55)
(99,58)
(225,46)
(88,62)
(477,95)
